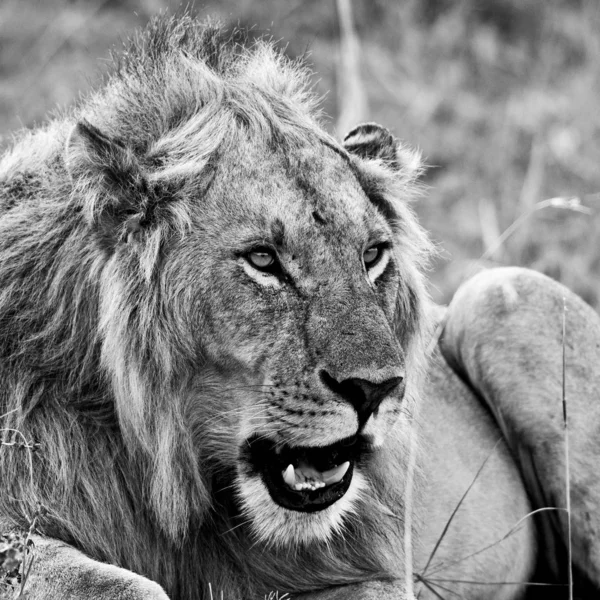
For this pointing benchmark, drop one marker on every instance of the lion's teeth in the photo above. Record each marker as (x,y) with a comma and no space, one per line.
(309,485)
(336,474)
(289,476)
(308,478)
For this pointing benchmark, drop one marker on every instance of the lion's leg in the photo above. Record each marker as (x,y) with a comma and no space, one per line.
(60,572)
(504,335)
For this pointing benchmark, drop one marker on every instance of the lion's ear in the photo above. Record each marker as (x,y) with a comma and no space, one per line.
(112,185)
(372,141)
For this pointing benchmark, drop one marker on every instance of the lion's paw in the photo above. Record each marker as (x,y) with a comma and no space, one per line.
(60,572)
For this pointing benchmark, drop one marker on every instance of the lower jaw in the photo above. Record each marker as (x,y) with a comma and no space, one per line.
(277,529)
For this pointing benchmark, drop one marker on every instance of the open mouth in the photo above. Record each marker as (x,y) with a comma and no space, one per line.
(305,478)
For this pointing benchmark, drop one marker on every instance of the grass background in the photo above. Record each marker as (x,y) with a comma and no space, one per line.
(502,97)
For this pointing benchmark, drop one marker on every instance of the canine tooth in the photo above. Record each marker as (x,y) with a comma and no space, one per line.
(289,476)
(336,474)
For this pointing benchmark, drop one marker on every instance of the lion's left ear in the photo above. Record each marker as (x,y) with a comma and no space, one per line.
(372,141)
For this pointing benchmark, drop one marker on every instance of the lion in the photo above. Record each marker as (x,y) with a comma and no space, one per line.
(221,373)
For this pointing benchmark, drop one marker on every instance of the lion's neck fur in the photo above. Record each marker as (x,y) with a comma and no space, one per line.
(94,482)
(97,486)
(91,482)
(98,496)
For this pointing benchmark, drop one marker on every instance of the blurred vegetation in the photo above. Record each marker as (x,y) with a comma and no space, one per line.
(501,96)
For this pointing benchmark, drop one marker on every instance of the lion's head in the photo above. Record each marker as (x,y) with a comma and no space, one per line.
(241,292)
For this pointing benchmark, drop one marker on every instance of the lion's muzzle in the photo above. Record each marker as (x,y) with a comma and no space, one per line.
(305,479)
(365,395)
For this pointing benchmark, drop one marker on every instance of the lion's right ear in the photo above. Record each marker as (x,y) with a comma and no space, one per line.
(112,185)
(372,141)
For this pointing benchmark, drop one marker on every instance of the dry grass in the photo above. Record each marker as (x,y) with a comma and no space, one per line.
(12,548)
(17,554)
(16,561)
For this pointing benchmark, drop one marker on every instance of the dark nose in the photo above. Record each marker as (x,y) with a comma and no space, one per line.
(364,395)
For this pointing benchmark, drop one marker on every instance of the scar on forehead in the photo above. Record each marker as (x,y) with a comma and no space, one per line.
(278,232)
(316,215)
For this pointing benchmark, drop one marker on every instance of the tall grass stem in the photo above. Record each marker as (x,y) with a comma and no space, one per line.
(567,462)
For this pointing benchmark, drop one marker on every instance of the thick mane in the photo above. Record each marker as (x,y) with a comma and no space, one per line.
(186,88)
(178,97)
(184,81)
(93,367)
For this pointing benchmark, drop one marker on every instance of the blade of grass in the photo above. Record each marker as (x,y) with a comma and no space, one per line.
(26,573)
(459,504)
(440,567)
(488,223)
(567,203)
(29,547)
(430,588)
(442,587)
(408,511)
(352,100)
(474,582)
(30,446)
(567,464)
(573,203)
(8,413)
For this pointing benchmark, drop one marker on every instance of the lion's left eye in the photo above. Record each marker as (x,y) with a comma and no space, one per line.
(372,255)
(262,259)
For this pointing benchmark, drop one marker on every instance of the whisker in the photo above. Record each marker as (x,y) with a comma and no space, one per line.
(238,410)
(243,388)
(257,541)
(246,522)
(227,487)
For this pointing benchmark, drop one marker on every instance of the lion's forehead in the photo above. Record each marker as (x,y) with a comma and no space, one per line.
(295,200)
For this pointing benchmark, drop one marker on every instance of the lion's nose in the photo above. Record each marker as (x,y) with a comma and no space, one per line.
(364,395)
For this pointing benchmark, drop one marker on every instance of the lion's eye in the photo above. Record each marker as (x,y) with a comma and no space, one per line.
(376,259)
(261,259)
(371,255)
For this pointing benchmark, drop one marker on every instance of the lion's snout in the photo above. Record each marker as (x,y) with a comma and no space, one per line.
(365,395)
(359,358)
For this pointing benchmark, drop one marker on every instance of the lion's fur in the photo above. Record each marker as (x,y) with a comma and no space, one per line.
(97,351)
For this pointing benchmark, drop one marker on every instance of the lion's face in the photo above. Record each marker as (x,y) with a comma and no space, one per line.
(295,303)
(272,323)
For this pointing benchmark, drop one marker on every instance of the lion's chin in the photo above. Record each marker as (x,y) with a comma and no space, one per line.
(275,525)
(298,494)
